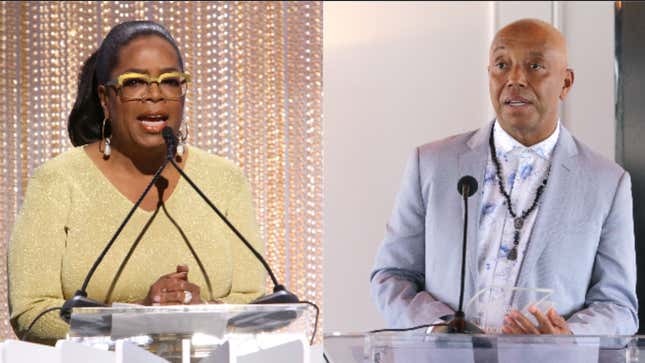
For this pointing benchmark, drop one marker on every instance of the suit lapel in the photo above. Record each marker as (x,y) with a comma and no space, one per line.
(553,208)
(473,162)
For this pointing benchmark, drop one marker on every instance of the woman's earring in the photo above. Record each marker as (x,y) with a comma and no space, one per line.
(107,150)
(182,136)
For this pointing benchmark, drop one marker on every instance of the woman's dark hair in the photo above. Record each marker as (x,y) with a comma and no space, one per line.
(84,122)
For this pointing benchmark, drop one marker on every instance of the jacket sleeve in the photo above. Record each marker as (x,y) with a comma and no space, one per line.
(611,306)
(397,281)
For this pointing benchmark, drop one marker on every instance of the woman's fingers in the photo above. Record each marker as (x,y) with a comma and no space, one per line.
(174,288)
(175,275)
(171,298)
(181,273)
(174,292)
(173,285)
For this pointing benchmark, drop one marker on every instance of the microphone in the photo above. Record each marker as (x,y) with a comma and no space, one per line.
(467,186)
(80,298)
(280,293)
(170,140)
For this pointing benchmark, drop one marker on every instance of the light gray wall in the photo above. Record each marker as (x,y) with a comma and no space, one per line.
(589,111)
(397,75)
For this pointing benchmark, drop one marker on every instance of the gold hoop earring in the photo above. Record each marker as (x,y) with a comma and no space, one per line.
(107,150)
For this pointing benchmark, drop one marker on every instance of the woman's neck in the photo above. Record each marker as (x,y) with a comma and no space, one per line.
(139,162)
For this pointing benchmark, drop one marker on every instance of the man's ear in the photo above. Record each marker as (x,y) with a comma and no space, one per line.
(567,84)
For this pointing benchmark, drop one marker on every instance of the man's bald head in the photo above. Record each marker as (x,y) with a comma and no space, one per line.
(528,77)
(533,29)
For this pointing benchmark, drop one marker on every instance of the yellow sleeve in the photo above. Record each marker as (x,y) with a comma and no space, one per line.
(34,258)
(248,273)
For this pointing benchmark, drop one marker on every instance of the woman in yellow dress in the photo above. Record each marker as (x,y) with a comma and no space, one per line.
(174,250)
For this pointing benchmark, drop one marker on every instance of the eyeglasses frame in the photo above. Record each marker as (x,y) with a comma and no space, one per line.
(118,82)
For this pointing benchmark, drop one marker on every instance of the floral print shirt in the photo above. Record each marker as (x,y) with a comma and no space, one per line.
(523,170)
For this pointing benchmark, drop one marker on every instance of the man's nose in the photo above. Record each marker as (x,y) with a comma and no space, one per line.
(516,77)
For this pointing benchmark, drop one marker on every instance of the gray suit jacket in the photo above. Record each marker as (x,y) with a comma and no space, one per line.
(582,243)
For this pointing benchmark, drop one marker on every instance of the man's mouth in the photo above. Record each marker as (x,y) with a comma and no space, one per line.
(516,102)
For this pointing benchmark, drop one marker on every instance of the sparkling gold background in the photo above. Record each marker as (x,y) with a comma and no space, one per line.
(255,98)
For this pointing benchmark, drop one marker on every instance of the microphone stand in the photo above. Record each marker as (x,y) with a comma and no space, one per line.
(280,294)
(458,323)
(467,186)
(80,298)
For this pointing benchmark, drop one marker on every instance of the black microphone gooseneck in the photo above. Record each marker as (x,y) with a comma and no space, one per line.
(280,293)
(80,296)
(467,186)
(171,142)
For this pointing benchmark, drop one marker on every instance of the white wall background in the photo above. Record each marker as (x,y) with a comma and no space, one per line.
(397,75)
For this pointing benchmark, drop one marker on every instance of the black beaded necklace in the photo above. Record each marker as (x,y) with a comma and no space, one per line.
(518,222)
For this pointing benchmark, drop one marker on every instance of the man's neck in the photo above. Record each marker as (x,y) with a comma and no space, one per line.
(529,138)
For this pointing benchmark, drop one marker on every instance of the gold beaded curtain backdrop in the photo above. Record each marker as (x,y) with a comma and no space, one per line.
(255,99)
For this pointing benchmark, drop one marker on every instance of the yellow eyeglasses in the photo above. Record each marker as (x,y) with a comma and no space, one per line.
(135,86)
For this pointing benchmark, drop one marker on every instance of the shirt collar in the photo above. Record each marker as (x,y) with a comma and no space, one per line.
(505,143)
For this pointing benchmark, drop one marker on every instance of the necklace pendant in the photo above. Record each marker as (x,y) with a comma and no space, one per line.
(519,223)
(512,254)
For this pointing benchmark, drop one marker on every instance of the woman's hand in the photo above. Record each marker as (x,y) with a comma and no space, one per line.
(173,289)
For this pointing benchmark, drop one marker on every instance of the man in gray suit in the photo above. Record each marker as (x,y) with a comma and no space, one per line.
(549,212)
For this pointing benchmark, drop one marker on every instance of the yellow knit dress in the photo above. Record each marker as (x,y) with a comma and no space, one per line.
(71,211)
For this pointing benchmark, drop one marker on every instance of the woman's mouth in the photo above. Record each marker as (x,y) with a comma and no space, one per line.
(153,123)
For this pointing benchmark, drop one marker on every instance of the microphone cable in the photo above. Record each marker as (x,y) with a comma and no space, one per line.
(393,330)
(313,335)
(406,329)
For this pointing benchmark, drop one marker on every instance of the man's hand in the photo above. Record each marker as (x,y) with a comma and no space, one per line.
(551,323)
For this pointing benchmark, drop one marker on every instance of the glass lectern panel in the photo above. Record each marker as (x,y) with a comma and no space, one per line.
(169,331)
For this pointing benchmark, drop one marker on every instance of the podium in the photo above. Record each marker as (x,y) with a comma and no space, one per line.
(218,333)
(403,347)
(208,333)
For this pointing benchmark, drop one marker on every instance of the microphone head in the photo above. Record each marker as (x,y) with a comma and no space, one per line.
(169,139)
(168,135)
(467,184)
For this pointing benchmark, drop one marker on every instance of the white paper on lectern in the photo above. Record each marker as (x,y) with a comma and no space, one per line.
(129,353)
(185,322)
(71,352)
(14,351)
